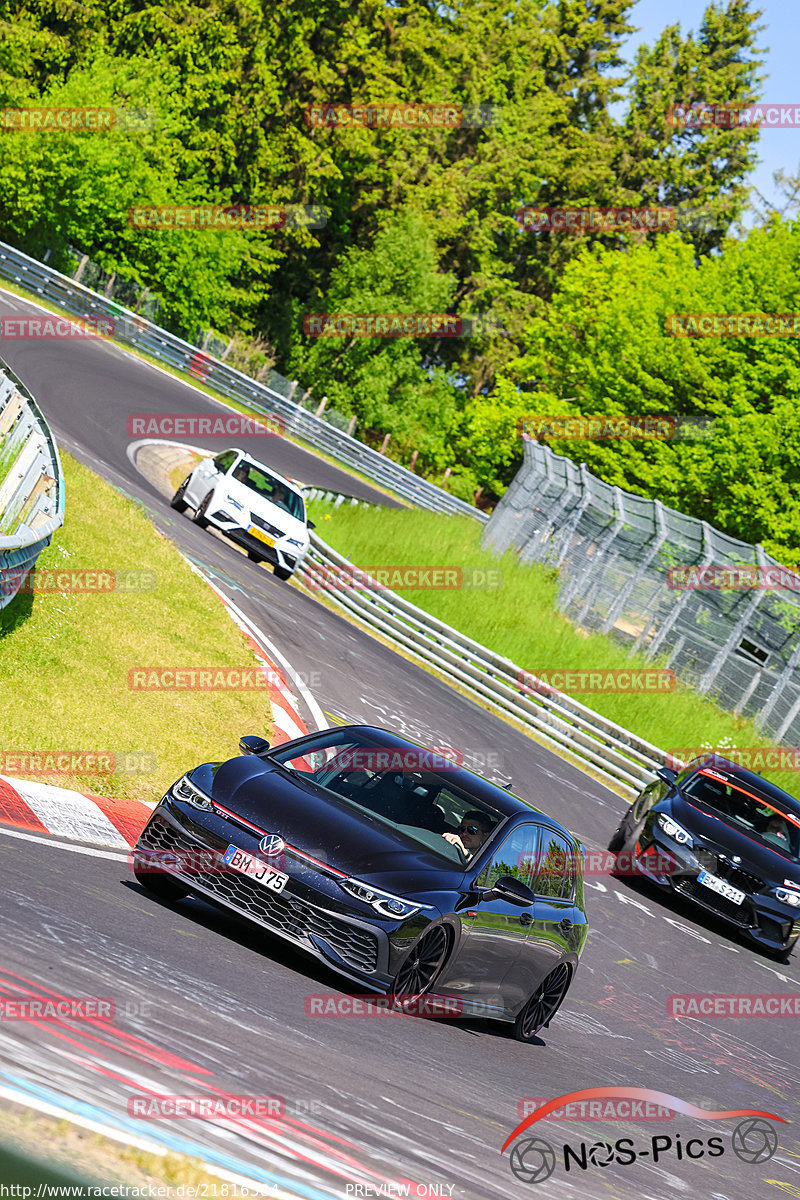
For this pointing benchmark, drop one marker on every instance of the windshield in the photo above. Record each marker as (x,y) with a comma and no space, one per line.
(271,489)
(406,788)
(751,814)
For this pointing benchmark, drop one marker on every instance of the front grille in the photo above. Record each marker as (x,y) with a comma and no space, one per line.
(736,877)
(281,912)
(739,914)
(272,530)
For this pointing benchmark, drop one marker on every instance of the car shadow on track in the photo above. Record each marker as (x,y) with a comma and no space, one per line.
(241,932)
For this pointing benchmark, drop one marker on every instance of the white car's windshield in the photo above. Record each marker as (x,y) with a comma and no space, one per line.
(271,489)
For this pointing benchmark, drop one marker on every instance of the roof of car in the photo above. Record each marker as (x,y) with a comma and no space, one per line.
(492,794)
(270,470)
(748,779)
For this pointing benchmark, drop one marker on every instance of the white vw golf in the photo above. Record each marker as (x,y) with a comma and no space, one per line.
(252,505)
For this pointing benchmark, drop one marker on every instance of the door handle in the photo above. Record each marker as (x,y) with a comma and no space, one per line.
(525,919)
(565,925)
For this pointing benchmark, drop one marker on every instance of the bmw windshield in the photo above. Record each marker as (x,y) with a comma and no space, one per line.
(751,814)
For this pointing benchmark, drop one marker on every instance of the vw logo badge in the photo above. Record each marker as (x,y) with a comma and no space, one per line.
(273,843)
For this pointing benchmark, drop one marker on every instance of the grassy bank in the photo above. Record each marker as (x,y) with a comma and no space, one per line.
(518,618)
(65,656)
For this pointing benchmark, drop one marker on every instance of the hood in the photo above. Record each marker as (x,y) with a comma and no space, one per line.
(326,827)
(767,862)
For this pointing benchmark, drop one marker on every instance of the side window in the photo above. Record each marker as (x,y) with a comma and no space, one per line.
(556,874)
(650,796)
(515,856)
(223,462)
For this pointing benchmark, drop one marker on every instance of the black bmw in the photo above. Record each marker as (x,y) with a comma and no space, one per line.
(730,842)
(397,868)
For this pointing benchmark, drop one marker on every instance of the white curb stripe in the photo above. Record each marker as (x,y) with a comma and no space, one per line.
(67,813)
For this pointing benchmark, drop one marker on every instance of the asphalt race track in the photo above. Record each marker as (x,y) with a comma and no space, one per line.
(371,1102)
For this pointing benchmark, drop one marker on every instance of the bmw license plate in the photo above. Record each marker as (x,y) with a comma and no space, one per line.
(721,887)
(255,532)
(255,868)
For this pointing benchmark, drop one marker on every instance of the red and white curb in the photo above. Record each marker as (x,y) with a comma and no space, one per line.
(43,808)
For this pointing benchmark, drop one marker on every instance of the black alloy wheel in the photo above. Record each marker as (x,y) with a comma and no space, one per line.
(420,969)
(543,1004)
(200,515)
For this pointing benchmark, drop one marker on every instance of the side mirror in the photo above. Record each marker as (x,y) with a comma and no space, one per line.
(510,889)
(667,774)
(252,744)
(311,524)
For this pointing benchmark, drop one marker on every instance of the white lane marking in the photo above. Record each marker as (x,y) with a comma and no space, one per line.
(68,813)
(46,841)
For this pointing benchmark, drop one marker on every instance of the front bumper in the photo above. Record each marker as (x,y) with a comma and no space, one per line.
(306,913)
(281,555)
(760,917)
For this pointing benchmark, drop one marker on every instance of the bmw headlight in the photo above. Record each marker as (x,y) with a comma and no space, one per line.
(675,831)
(383,902)
(235,503)
(185,790)
(786,896)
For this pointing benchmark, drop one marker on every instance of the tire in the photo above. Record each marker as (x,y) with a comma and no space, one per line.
(617,840)
(422,965)
(543,1004)
(282,573)
(177,502)
(200,515)
(166,887)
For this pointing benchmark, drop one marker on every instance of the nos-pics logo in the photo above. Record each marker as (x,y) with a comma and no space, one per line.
(533,1159)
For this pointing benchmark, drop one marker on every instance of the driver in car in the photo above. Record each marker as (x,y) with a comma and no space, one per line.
(473,831)
(776,827)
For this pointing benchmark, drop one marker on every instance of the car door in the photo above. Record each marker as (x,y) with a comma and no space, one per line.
(489,966)
(559,924)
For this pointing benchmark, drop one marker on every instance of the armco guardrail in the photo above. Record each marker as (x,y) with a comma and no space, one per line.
(31,484)
(133,330)
(617,754)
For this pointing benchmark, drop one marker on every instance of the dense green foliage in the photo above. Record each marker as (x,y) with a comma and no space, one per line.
(425,220)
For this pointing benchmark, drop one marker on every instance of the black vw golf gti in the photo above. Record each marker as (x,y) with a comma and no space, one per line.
(397,868)
(730,842)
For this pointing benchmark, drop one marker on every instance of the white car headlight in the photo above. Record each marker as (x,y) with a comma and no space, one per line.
(383,902)
(786,896)
(185,790)
(675,831)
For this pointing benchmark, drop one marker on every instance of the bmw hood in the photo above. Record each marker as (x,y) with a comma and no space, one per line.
(718,835)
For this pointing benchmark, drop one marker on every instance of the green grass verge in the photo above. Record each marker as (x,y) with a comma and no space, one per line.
(65,658)
(520,620)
